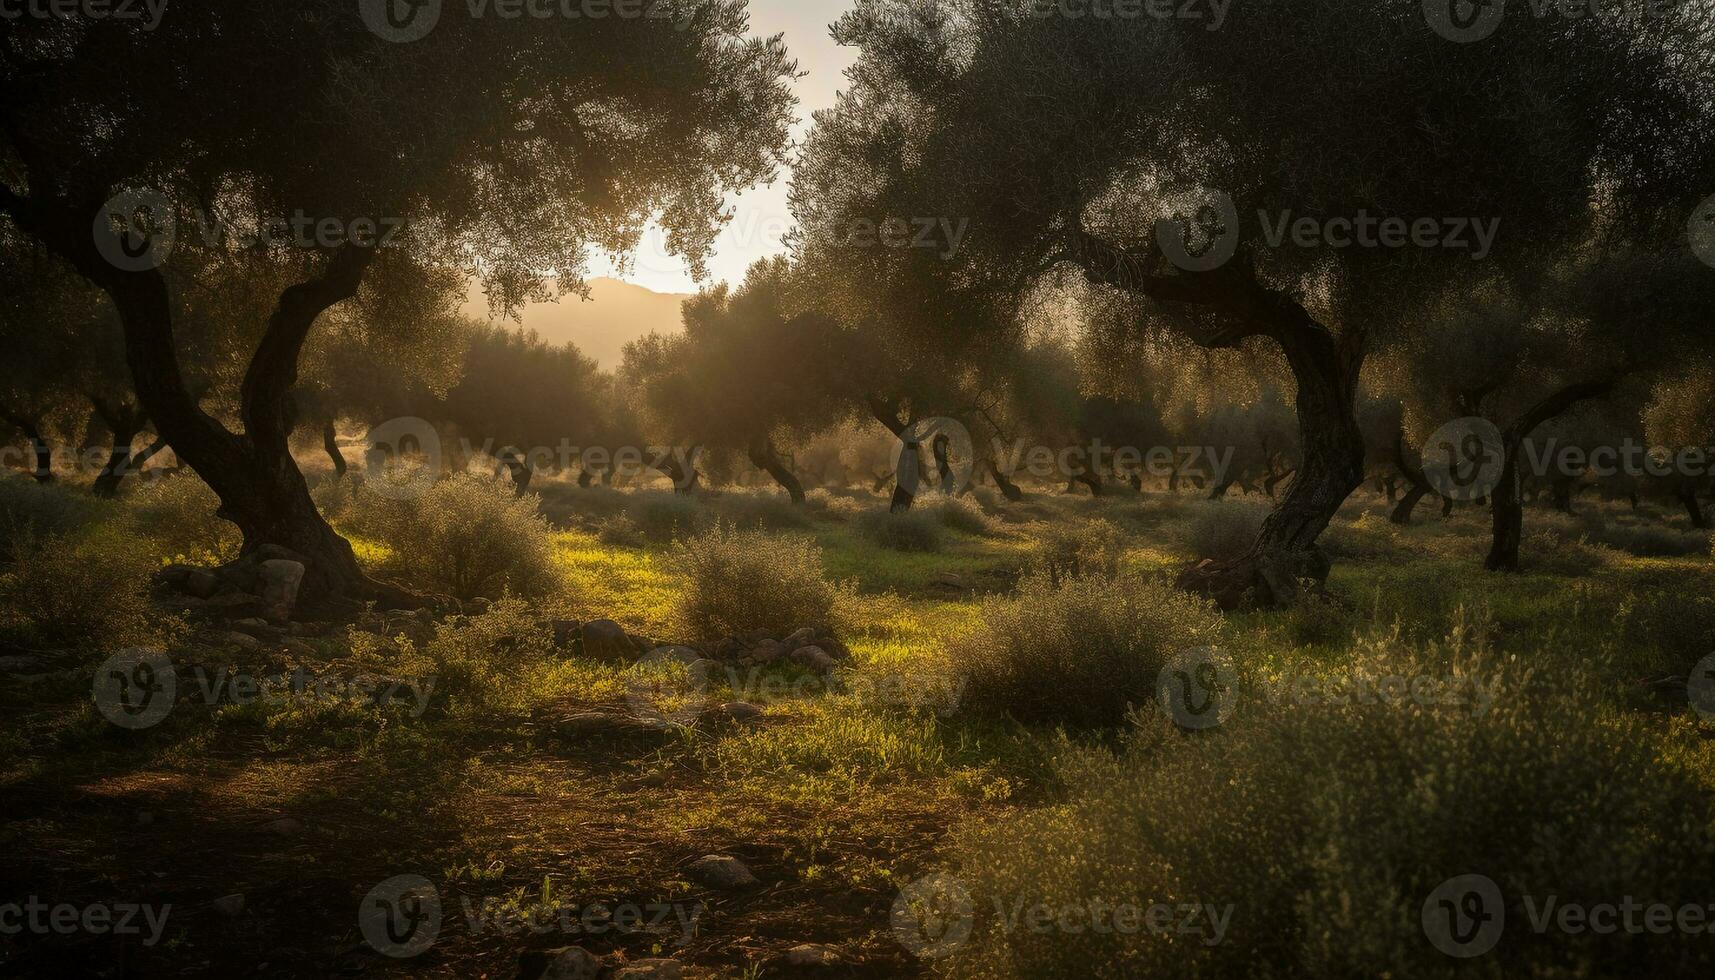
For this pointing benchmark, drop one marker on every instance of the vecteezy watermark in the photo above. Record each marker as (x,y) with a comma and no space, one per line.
(1201,231)
(1198,688)
(404,915)
(403,458)
(1214,12)
(1700,231)
(1466,459)
(137,688)
(1467,21)
(138,228)
(404,21)
(100,918)
(934,915)
(148,12)
(1045,462)
(401,917)
(949,445)
(944,235)
(1465,916)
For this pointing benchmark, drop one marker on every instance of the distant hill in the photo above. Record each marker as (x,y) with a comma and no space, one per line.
(615,313)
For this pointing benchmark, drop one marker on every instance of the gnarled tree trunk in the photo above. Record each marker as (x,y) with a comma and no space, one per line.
(764,457)
(123,422)
(330,445)
(1008,489)
(1507,510)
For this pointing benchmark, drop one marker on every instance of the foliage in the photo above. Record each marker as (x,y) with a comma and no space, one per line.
(1079,653)
(465,536)
(739,580)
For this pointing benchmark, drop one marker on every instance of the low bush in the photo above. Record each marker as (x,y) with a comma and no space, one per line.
(1223,529)
(833,506)
(905,530)
(1643,540)
(34,512)
(89,590)
(739,580)
(178,513)
(1069,549)
(1078,653)
(1325,832)
(764,509)
(465,536)
(960,514)
(662,515)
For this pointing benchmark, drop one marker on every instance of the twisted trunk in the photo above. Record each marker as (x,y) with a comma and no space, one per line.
(123,422)
(908,467)
(1008,489)
(1506,507)
(330,444)
(519,468)
(764,457)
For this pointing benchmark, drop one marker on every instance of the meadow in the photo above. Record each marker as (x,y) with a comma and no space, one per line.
(991,739)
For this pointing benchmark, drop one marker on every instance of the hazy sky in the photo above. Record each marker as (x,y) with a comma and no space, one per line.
(760,217)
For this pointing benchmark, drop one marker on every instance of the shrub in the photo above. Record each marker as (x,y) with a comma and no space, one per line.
(1078,653)
(1223,529)
(959,514)
(1327,828)
(1069,549)
(620,531)
(741,580)
(178,512)
(89,590)
(466,536)
(34,512)
(833,506)
(906,530)
(662,516)
(1643,540)
(1369,535)
(765,509)
(1545,550)
(481,665)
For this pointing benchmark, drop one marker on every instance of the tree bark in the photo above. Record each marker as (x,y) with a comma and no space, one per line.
(1687,494)
(1561,488)
(123,422)
(519,468)
(764,457)
(330,444)
(1506,508)
(908,468)
(1008,489)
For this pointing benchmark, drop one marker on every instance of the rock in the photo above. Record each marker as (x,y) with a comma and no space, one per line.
(765,652)
(231,605)
(565,963)
(800,638)
(741,710)
(810,954)
(476,607)
(566,632)
(174,575)
(229,905)
(279,584)
(652,969)
(754,637)
(948,580)
(256,627)
(815,658)
(285,827)
(835,648)
(243,641)
(200,582)
(587,724)
(722,871)
(605,639)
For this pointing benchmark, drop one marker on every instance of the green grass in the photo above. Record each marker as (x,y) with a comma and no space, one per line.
(837,794)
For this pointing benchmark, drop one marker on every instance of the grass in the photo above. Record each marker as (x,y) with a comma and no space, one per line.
(846,787)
